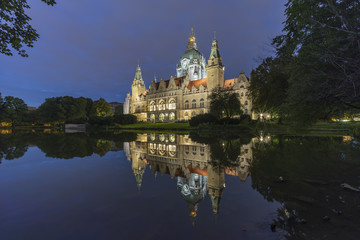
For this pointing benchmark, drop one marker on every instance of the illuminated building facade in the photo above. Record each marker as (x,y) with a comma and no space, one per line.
(185,95)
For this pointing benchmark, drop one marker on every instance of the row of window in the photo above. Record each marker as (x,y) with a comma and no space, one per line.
(202,150)
(163,117)
(193,103)
(162,106)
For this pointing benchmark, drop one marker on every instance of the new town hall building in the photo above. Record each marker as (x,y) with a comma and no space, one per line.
(185,95)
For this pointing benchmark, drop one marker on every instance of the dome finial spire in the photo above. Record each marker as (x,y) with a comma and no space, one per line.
(214,35)
(192,41)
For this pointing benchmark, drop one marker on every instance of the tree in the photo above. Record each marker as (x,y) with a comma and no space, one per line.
(1,106)
(119,110)
(14,109)
(101,108)
(52,110)
(223,102)
(321,42)
(65,109)
(268,86)
(15,29)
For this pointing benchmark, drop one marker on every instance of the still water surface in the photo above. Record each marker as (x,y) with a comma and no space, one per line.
(172,186)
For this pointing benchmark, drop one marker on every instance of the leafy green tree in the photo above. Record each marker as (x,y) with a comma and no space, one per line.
(224,102)
(101,108)
(321,42)
(268,86)
(119,110)
(14,109)
(15,29)
(65,109)
(52,110)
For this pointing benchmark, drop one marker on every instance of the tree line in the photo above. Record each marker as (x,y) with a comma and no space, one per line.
(60,110)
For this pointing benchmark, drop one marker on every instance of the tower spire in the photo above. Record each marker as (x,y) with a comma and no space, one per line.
(192,41)
(215,57)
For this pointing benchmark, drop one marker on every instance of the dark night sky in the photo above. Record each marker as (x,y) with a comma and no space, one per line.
(91,48)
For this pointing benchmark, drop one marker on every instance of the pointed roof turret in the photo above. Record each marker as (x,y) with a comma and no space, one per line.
(192,41)
(138,75)
(215,58)
(215,49)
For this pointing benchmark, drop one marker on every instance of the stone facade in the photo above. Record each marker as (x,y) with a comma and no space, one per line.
(185,96)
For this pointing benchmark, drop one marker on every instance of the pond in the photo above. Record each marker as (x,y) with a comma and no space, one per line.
(178,186)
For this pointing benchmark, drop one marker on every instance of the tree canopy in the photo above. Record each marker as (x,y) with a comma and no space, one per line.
(319,54)
(14,109)
(101,108)
(224,102)
(15,29)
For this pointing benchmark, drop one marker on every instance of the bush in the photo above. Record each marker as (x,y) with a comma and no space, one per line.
(234,121)
(101,120)
(202,118)
(124,119)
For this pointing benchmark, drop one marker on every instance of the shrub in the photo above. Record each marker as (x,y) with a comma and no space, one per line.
(202,118)
(124,119)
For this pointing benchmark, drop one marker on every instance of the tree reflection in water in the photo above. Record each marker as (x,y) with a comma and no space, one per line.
(304,174)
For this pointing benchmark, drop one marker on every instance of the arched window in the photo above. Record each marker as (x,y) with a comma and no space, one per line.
(246,103)
(246,93)
(162,117)
(152,118)
(193,114)
(187,104)
(172,104)
(202,102)
(246,111)
(152,106)
(242,94)
(172,116)
(193,103)
(162,105)
(186,116)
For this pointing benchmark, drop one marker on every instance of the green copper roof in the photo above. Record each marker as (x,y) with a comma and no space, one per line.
(215,49)
(138,75)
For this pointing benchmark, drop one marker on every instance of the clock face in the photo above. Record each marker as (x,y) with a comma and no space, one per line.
(185,63)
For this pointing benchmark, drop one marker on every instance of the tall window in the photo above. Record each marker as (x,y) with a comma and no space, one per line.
(186,116)
(162,117)
(246,103)
(172,116)
(152,106)
(172,104)
(187,104)
(193,103)
(152,118)
(162,105)
(202,102)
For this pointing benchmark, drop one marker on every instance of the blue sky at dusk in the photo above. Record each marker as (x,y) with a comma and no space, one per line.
(91,48)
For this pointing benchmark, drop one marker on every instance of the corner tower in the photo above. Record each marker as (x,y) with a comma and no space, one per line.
(138,85)
(215,69)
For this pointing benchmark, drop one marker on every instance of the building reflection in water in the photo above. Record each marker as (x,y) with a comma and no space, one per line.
(190,162)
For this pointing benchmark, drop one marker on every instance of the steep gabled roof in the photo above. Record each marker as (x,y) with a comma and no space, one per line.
(229,83)
(197,83)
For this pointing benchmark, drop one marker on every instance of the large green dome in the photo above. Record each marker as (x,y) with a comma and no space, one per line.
(191,54)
